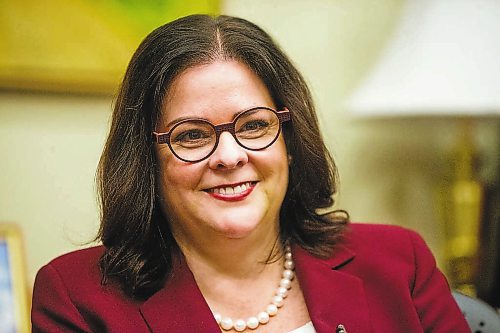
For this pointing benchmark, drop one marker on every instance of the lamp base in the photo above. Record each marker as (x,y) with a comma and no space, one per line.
(463,208)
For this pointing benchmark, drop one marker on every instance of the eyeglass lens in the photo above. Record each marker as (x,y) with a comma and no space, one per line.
(194,140)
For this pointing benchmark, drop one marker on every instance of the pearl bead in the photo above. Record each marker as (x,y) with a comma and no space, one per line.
(288,274)
(240,325)
(285,283)
(272,309)
(226,323)
(282,291)
(252,323)
(278,301)
(263,317)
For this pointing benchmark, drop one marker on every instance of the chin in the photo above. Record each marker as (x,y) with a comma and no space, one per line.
(236,233)
(240,226)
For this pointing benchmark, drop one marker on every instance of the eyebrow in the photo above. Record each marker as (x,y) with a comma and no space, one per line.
(178,120)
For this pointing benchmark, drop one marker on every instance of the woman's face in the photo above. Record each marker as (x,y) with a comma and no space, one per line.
(191,192)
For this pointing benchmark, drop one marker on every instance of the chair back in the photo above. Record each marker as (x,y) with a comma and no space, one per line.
(481,317)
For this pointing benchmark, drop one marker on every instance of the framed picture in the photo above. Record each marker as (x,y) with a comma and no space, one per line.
(14,301)
(80,46)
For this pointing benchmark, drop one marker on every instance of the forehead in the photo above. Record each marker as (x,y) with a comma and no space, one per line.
(214,91)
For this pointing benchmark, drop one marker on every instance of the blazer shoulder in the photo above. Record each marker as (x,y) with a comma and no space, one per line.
(69,295)
(79,264)
(385,243)
(362,235)
(77,274)
(385,230)
(89,255)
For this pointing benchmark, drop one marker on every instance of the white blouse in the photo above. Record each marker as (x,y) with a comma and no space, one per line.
(307,328)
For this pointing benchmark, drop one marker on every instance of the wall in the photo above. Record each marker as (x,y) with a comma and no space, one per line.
(50,144)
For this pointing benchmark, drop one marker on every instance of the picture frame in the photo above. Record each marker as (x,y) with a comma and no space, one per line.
(14,298)
(79,47)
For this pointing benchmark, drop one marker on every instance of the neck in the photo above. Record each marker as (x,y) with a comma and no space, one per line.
(237,258)
(229,271)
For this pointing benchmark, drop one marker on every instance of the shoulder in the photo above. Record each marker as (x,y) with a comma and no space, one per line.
(391,250)
(87,255)
(77,264)
(382,237)
(68,295)
(396,264)
(370,231)
(75,274)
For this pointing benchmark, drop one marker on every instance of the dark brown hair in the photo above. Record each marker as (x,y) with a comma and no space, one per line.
(139,247)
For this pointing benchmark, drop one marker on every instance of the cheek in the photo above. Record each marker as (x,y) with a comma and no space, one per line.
(284,166)
(178,182)
(175,176)
(281,156)
(276,165)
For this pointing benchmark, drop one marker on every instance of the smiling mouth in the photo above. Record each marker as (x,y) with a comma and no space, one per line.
(232,189)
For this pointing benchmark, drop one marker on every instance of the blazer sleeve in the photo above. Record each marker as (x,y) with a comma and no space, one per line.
(431,294)
(52,308)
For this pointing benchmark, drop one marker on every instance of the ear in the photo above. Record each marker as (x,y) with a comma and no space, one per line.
(289,159)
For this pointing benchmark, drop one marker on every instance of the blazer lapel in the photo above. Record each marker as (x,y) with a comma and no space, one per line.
(179,306)
(333,297)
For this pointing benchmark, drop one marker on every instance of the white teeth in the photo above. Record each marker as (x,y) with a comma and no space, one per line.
(232,190)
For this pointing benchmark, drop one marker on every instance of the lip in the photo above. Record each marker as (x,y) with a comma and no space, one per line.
(220,193)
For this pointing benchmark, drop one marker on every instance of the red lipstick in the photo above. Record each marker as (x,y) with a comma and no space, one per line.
(233,192)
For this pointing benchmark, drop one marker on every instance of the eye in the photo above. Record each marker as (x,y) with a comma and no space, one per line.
(192,138)
(254,125)
(189,135)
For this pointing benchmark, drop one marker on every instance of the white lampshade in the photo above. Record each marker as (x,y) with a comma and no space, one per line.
(444,59)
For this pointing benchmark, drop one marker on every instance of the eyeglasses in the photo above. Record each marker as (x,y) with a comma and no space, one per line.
(193,140)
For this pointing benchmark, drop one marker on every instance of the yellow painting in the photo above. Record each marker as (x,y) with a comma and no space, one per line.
(79,45)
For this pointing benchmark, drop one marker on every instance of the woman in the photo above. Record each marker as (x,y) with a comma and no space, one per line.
(210,185)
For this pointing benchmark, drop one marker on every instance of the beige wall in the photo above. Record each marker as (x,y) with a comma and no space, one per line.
(50,144)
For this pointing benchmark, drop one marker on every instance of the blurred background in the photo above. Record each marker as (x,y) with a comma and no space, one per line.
(60,64)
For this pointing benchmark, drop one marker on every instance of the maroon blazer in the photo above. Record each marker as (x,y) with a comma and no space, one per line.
(379,279)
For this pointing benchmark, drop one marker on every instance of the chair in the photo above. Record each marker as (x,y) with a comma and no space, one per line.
(481,317)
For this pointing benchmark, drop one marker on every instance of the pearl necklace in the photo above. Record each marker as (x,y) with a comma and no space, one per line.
(277,301)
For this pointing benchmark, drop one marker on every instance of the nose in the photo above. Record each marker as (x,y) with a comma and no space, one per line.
(228,154)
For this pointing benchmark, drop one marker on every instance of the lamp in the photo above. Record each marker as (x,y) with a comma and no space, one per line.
(444,60)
